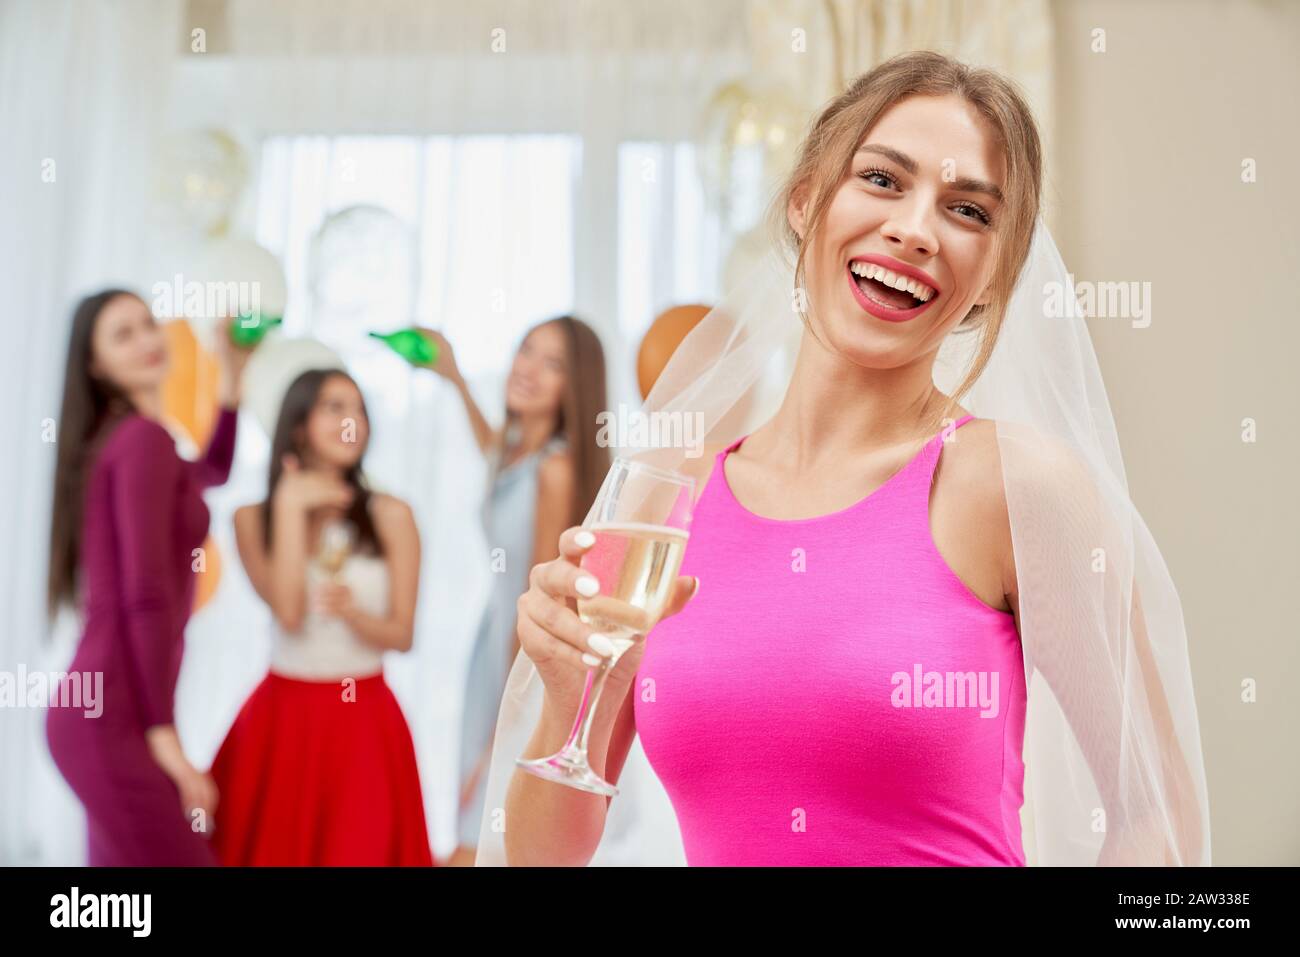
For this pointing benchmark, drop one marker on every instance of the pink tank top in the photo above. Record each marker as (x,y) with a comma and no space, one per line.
(835,694)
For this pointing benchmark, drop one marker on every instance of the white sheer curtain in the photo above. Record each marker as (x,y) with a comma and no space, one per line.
(83,87)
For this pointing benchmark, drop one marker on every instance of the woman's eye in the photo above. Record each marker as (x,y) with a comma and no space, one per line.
(870,174)
(890,182)
(980,215)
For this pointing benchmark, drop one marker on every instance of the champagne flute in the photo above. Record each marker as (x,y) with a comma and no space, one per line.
(641,522)
(337,539)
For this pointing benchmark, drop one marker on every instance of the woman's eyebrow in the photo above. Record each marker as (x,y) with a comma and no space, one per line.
(963,184)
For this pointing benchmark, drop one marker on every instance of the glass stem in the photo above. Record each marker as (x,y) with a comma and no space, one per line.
(578,737)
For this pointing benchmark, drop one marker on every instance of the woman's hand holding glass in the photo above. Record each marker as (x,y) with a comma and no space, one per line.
(558,642)
(621,570)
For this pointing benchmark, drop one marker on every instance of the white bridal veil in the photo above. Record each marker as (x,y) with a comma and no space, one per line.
(1114,773)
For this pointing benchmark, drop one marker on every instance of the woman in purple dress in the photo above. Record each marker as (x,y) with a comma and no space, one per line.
(128,520)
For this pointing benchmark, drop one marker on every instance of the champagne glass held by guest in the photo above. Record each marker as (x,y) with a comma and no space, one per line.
(318,768)
(545,471)
(128,513)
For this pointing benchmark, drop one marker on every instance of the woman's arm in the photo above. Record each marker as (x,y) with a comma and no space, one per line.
(557,826)
(1175,775)
(549,826)
(1102,706)
(146,474)
(214,467)
(445,365)
(278,576)
(546,825)
(287,563)
(395,525)
(484,434)
(555,484)
(248,539)
(198,791)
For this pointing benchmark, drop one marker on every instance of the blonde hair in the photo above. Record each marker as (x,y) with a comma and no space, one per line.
(826,156)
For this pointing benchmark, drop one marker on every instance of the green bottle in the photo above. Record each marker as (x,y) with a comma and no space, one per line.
(251,328)
(411,344)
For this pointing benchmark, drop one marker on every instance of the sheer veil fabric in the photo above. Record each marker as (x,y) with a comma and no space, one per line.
(1114,769)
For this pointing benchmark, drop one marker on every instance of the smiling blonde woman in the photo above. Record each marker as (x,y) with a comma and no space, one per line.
(906,610)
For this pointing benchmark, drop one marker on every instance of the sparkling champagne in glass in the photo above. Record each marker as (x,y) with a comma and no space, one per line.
(641,522)
(336,541)
(636,565)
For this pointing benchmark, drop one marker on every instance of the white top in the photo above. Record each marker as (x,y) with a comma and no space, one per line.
(326,647)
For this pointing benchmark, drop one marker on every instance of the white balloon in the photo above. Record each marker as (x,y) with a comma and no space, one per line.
(232,276)
(746,138)
(273,366)
(361,270)
(201,175)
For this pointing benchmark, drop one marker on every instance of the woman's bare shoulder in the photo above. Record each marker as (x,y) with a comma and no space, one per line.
(389,510)
(971,466)
(973,451)
(1042,464)
(1048,475)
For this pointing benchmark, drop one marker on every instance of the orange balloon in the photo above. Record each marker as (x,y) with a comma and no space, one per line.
(661,341)
(189,393)
(657,347)
(189,398)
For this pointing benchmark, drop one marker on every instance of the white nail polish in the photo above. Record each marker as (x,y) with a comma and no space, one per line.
(585,539)
(600,644)
(587,586)
(591,661)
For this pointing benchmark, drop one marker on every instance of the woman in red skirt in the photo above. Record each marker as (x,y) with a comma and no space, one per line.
(319,768)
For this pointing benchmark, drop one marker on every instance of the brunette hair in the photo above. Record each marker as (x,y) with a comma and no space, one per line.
(584,399)
(90,404)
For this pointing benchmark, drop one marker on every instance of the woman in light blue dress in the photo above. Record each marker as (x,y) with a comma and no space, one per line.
(545,468)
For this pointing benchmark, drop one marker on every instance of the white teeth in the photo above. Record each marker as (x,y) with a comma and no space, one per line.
(893,279)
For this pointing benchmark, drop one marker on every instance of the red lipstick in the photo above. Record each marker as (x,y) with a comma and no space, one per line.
(882,310)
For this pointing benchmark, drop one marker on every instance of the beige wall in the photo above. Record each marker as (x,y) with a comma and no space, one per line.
(1147,187)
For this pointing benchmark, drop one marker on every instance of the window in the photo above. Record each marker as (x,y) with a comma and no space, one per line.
(668,238)
(489,221)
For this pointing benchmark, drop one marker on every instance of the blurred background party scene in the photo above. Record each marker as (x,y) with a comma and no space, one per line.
(476,168)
